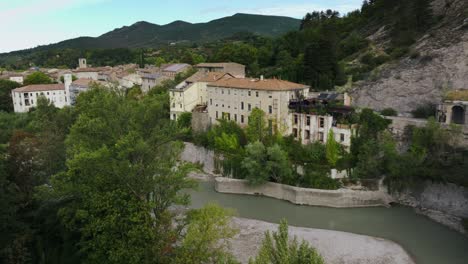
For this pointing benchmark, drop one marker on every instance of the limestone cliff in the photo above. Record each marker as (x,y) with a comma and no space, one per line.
(441,65)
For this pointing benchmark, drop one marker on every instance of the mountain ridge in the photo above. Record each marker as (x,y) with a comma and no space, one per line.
(144,34)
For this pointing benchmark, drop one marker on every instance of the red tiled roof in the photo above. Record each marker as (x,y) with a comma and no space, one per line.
(40,88)
(257,84)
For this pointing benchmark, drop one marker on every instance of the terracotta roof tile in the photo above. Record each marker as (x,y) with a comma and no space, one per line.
(39,88)
(257,84)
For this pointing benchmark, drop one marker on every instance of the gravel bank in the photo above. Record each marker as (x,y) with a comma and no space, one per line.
(336,247)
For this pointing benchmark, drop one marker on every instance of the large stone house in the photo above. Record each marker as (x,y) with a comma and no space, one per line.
(25,98)
(235,98)
(192,92)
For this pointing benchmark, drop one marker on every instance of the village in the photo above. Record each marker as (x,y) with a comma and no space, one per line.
(223,91)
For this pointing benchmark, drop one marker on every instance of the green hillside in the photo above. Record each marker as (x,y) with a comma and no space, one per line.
(143,34)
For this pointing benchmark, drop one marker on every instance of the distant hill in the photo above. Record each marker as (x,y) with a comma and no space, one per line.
(144,34)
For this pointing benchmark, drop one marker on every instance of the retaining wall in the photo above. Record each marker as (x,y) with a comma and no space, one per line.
(196,154)
(305,196)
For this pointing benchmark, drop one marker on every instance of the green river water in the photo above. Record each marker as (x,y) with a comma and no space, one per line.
(426,241)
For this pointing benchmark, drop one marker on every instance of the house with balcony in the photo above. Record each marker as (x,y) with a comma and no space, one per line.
(313,118)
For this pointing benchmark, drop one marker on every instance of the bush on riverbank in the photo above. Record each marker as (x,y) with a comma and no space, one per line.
(278,248)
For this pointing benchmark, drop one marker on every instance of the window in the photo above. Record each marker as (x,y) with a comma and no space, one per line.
(307,134)
(308,120)
(320,136)
(270,109)
(295,119)
(342,137)
(250,93)
(173,93)
(249,106)
(173,105)
(211,101)
(180,94)
(235,117)
(256,94)
(47,93)
(32,101)
(242,119)
(222,105)
(222,91)
(216,114)
(295,132)
(174,116)
(180,105)
(322,122)
(242,105)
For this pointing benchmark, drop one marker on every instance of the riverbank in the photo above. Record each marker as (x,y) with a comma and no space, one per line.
(336,247)
(342,198)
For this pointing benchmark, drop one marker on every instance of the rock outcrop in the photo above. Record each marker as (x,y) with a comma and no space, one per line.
(439,63)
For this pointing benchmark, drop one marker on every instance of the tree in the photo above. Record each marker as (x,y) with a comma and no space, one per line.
(122,178)
(62,78)
(278,249)
(37,78)
(261,164)
(257,128)
(6,102)
(207,236)
(278,164)
(332,149)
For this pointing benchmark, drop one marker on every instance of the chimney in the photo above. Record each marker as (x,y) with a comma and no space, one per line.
(67,79)
(261,77)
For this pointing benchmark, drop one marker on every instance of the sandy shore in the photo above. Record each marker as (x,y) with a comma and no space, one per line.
(336,247)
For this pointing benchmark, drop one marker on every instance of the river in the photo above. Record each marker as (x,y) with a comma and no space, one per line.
(425,240)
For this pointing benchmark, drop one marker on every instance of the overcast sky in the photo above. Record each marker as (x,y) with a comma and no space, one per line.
(29,23)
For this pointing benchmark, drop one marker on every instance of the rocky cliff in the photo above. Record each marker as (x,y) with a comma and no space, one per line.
(439,62)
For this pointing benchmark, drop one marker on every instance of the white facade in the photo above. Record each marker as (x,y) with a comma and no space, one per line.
(308,128)
(23,101)
(184,99)
(237,103)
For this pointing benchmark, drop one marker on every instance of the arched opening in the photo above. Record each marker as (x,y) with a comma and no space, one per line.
(458,115)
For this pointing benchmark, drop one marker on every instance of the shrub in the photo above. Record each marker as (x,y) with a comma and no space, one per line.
(279,249)
(425,111)
(389,112)
(399,52)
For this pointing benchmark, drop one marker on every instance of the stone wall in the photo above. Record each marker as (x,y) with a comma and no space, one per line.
(446,198)
(304,196)
(196,154)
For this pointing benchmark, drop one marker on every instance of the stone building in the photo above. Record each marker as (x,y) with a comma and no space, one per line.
(150,80)
(192,92)
(313,118)
(454,110)
(26,97)
(236,69)
(235,98)
(81,85)
(172,70)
